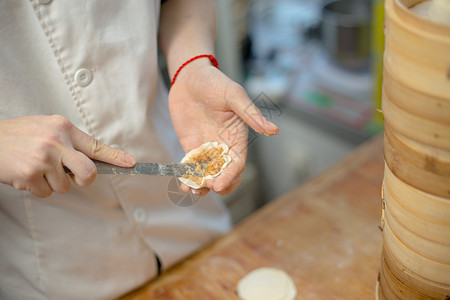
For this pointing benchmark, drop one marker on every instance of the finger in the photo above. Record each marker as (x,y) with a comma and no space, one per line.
(33,180)
(197,192)
(235,184)
(231,174)
(83,169)
(236,138)
(185,188)
(40,188)
(200,192)
(239,102)
(58,180)
(95,149)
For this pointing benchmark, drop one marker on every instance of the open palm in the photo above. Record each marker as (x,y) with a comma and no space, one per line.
(206,106)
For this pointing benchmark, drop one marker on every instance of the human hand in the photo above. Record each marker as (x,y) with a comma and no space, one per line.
(206,105)
(34,150)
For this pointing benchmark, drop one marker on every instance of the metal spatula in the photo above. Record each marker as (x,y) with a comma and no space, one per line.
(162,169)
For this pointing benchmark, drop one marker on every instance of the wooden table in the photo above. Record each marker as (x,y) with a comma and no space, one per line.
(325,234)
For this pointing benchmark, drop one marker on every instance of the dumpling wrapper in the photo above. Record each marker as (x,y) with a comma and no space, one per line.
(267,284)
(198,150)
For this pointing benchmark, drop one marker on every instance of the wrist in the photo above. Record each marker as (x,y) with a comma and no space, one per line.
(176,56)
(198,61)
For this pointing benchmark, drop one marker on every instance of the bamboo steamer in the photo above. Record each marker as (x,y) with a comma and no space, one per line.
(417,50)
(416,186)
(434,271)
(427,131)
(396,282)
(417,283)
(414,101)
(429,207)
(393,288)
(416,243)
(423,167)
(426,233)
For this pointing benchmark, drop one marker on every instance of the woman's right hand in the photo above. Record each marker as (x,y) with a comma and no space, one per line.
(34,150)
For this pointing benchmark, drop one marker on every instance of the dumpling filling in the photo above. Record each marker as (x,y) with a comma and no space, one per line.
(210,159)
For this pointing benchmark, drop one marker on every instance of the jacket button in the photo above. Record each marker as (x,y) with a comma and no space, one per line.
(44,1)
(83,77)
(139,215)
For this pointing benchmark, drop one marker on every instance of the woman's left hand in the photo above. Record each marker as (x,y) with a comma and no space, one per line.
(206,106)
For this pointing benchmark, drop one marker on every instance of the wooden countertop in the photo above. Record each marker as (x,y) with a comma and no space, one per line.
(324,233)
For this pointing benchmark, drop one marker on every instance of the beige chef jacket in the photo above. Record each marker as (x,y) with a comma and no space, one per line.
(93,62)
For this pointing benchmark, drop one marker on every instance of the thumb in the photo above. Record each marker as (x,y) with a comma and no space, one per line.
(95,149)
(239,102)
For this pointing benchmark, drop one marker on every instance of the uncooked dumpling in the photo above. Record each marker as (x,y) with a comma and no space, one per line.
(267,284)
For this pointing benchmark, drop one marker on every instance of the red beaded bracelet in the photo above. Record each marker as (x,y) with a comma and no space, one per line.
(211,58)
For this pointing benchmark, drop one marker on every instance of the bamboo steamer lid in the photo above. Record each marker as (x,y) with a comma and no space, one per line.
(421,166)
(417,50)
(427,131)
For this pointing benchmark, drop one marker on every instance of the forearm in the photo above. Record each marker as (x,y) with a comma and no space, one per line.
(187,28)
(205,104)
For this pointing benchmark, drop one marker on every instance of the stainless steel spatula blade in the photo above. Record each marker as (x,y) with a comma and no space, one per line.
(161,169)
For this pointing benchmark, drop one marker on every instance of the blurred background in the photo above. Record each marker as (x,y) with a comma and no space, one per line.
(313,67)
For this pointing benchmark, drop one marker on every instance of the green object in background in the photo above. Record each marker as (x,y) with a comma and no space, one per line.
(377,50)
(317,98)
(373,127)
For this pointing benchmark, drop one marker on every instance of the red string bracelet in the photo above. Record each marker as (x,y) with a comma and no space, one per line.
(211,58)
